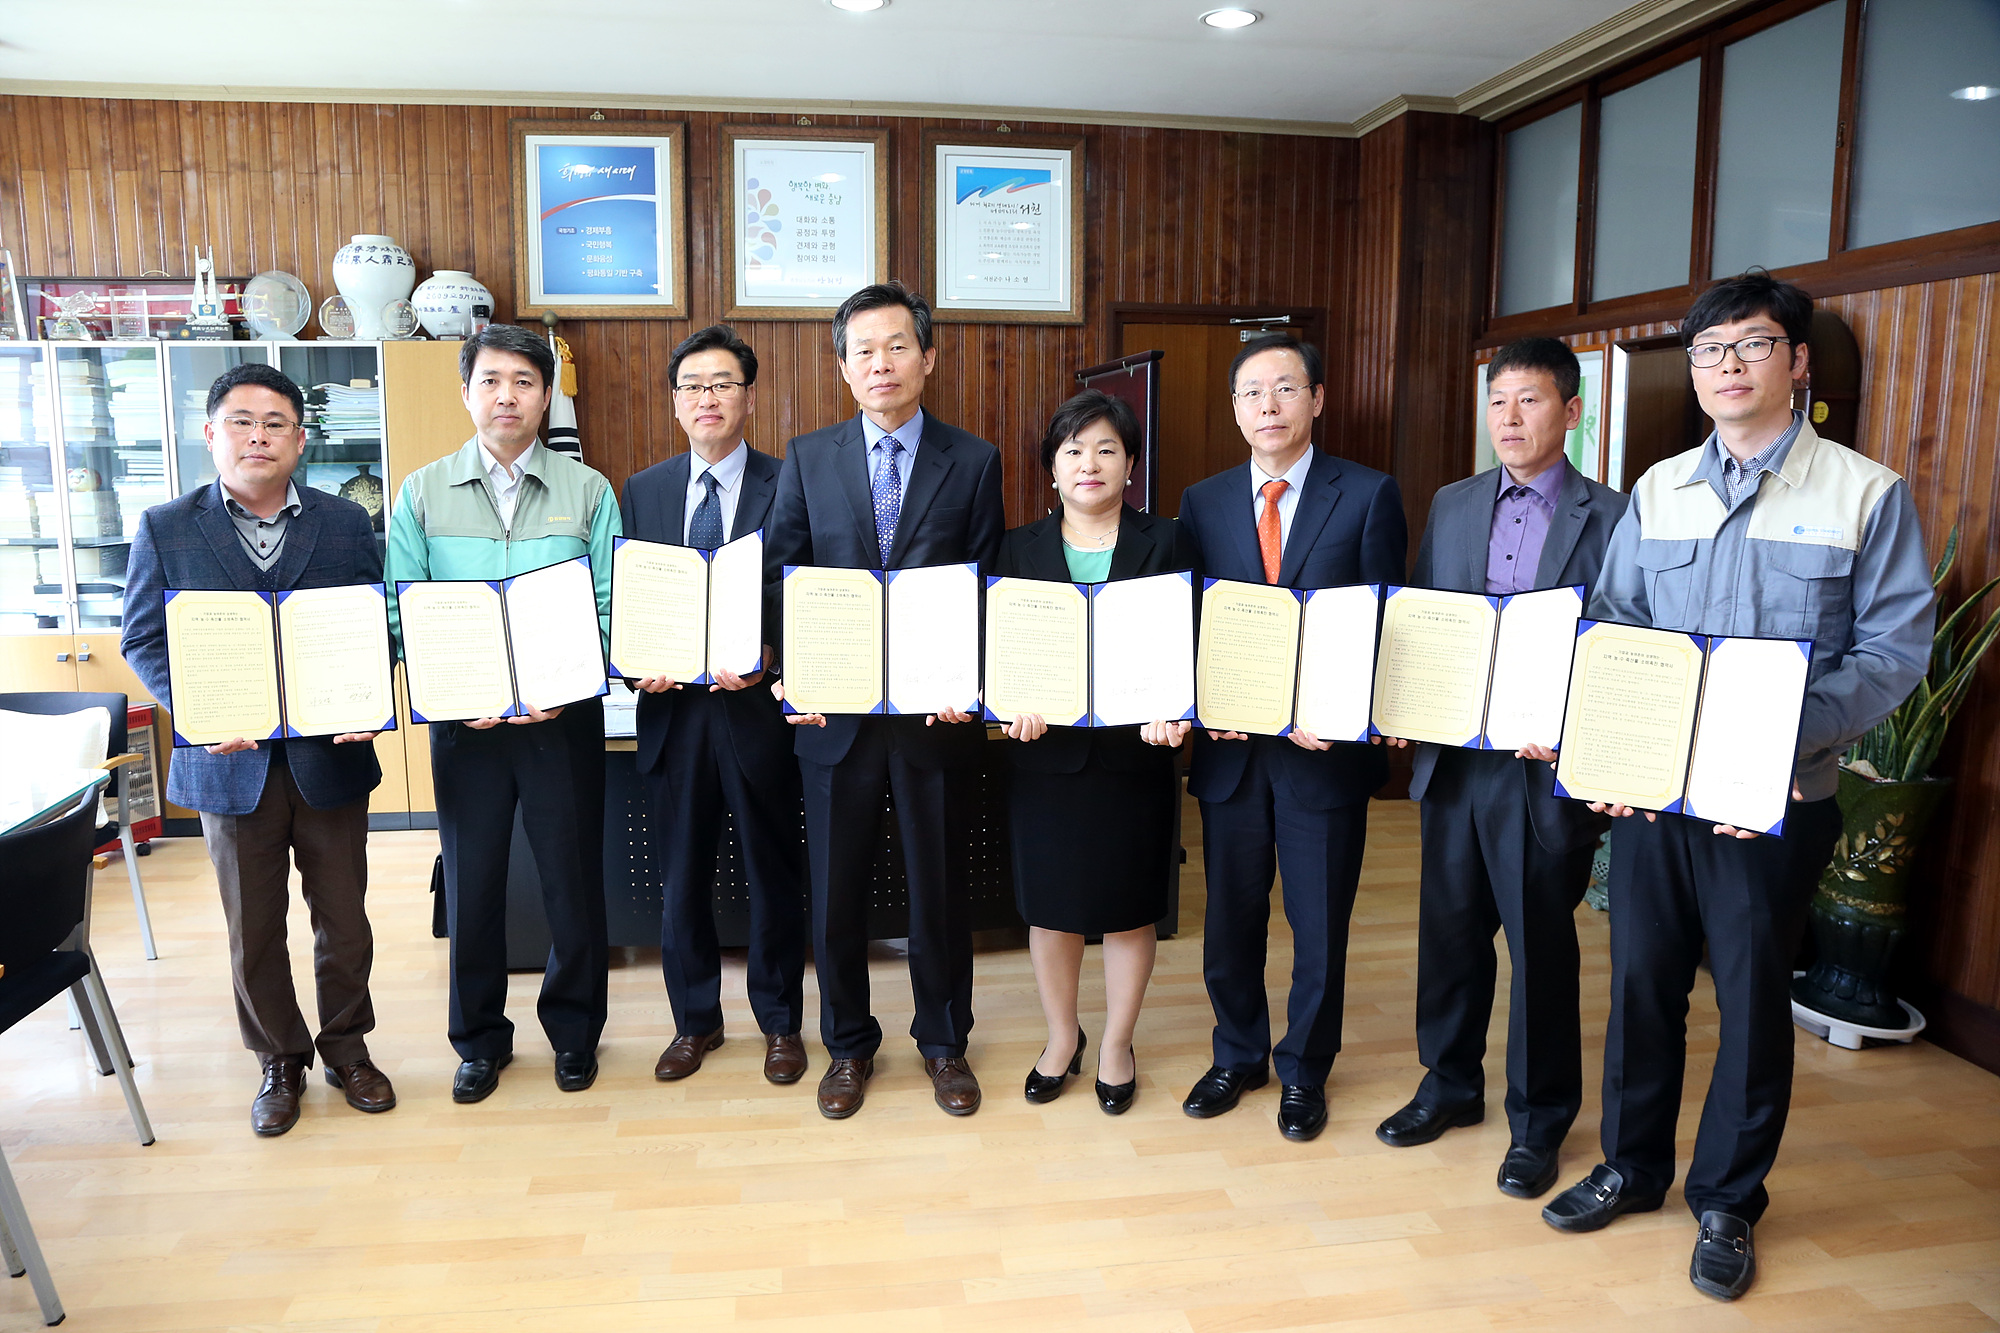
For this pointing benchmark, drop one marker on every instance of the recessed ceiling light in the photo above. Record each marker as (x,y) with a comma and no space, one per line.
(1978,92)
(858,6)
(1231,17)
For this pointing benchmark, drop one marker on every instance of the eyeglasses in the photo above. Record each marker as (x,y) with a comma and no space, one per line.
(723,390)
(1284,393)
(276,427)
(1706,356)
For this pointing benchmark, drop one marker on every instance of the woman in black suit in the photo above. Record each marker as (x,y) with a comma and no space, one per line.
(1092,809)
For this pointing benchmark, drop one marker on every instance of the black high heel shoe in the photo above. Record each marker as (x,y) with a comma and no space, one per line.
(1117,1100)
(1041,1087)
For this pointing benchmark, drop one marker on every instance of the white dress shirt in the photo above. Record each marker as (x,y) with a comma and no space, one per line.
(506,482)
(728,487)
(1288,503)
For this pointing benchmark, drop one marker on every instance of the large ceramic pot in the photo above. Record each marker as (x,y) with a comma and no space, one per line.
(445,299)
(1862,908)
(371,272)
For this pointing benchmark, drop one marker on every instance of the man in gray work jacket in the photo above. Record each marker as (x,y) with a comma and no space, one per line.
(1767,531)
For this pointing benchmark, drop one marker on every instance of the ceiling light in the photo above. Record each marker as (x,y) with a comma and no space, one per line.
(858,6)
(1230,18)
(1978,92)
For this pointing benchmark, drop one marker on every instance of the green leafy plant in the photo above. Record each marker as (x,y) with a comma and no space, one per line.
(1903,746)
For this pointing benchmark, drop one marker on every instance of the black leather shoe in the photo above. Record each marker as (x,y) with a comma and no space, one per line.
(477,1078)
(1116,1098)
(1418,1123)
(1301,1111)
(1596,1201)
(575,1070)
(1528,1172)
(1045,1088)
(1724,1264)
(1218,1090)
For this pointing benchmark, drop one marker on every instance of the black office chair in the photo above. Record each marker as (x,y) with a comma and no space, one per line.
(59,703)
(45,901)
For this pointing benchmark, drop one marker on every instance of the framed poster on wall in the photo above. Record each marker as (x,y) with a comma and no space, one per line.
(599,225)
(1003,227)
(1585,445)
(809,222)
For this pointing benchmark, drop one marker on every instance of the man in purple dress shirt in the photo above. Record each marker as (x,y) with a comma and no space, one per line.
(1500,850)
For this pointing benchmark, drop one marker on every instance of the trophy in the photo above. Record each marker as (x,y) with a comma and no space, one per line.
(205,318)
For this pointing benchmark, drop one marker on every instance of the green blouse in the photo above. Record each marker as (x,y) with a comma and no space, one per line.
(1088,566)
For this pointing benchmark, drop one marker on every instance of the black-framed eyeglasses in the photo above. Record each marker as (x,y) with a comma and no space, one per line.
(1706,356)
(722,389)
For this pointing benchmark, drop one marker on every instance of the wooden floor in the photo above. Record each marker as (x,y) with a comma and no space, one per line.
(640,1205)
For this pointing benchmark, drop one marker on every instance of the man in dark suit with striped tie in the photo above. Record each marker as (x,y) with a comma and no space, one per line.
(1296,805)
(707,748)
(891,488)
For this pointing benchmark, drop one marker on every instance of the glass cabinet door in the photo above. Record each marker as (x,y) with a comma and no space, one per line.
(113,419)
(191,368)
(32,592)
(343,387)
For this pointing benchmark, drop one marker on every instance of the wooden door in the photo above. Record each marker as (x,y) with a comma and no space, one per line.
(1197,427)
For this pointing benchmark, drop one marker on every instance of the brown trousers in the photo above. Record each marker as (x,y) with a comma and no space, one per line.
(251,855)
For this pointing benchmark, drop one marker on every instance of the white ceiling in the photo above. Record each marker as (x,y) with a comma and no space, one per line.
(1328,61)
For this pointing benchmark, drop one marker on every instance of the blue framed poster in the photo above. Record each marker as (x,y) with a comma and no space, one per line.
(599,229)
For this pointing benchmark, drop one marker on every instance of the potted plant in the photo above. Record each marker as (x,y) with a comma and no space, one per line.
(1888,796)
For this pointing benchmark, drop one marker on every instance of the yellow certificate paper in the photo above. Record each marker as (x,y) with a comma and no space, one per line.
(659,611)
(1629,725)
(1432,664)
(833,640)
(455,650)
(334,647)
(222,667)
(1246,667)
(1037,651)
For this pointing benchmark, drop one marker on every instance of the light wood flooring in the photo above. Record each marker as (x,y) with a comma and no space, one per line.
(640,1205)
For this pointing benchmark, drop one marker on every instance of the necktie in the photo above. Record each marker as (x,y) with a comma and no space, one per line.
(888,496)
(1270,533)
(705,528)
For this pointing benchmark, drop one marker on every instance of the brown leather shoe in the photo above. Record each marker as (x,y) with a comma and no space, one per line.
(367,1087)
(784,1057)
(684,1055)
(956,1089)
(277,1106)
(843,1086)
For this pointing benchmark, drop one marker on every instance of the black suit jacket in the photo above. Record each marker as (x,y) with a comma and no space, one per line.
(654,507)
(1348,528)
(1147,544)
(824,514)
(1453,557)
(191,542)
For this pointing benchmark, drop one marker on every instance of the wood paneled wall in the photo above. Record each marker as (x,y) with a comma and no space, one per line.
(101,186)
(1930,409)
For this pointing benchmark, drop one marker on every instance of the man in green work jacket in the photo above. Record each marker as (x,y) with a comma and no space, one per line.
(504,505)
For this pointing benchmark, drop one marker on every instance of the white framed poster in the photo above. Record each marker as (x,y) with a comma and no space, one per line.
(598,225)
(1585,444)
(1003,227)
(809,219)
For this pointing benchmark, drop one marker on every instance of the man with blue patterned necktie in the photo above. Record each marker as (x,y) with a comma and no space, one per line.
(725,746)
(891,488)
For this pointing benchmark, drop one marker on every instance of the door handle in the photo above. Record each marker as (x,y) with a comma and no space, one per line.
(62,657)
(83,652)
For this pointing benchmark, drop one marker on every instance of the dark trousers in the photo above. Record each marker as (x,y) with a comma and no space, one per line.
(843,813)
(1673,884)
(702,776)
(252,855)
(555,772)
(1256,833)
(1485,871)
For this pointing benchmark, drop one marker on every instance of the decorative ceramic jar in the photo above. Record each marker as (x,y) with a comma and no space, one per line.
(445,301)
(371,272)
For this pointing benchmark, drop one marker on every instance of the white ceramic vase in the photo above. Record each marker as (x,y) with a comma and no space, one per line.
(371,272)
(445,299)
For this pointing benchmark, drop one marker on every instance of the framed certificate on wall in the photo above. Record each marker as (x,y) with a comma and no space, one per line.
(808,219)
(599,228)
(1003,227)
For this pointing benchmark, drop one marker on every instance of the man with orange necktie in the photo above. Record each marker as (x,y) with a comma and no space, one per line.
(1294,516)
